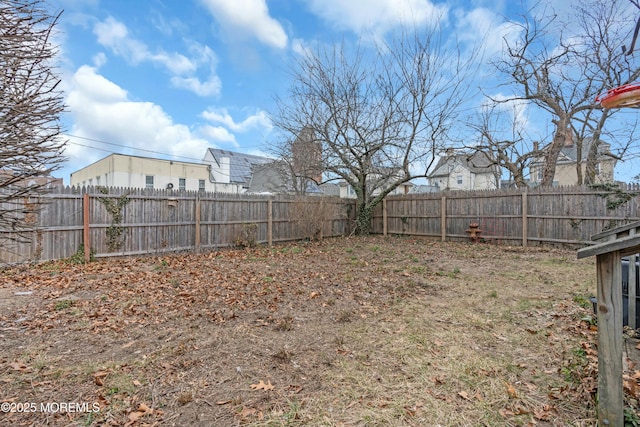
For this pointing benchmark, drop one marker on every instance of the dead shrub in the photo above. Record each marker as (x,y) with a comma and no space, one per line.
(309,214)
(247,237)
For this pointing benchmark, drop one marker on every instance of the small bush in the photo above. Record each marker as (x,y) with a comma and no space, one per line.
(78,257)
(247,236)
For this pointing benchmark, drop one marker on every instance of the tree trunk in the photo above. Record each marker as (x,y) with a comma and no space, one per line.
(592,155)
(551,158)
(592,160)
(579,148)
(363,219)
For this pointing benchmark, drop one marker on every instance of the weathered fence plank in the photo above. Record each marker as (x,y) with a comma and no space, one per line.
(172,220)
(565,215)
(122,221)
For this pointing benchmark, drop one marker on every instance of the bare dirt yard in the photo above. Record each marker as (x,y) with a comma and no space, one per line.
(375,331)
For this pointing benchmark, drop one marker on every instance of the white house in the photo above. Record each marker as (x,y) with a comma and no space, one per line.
(231,172)
(120,170)
(566,165)
(379,180)
(465,171)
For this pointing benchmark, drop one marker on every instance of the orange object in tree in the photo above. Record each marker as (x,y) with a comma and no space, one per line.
(623,96)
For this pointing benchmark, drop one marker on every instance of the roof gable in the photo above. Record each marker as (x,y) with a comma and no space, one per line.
(569,153)
(477,162)
(240,164)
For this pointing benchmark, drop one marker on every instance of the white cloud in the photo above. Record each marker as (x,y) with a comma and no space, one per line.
(101,110)
(115,36)
(99,59)
(482,26)
(95,87)
(377,16)
(193,84)
(300,47)
(174,62)
(254,121)
(517,109)
(243,17)
(212,86)
(218,133)
(110,33)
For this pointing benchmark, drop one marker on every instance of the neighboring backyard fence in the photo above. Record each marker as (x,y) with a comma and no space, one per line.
(564,215)
(129,222)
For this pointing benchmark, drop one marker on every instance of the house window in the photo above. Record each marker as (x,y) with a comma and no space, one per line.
(201,185)
(148,181)
(459,179)
(597,168)
(539,174)
(182,184)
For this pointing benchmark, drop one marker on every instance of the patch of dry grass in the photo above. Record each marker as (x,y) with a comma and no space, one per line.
(351,332)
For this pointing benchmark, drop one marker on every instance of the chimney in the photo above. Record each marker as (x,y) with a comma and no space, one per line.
(536,145)
(307,155)
(568,138)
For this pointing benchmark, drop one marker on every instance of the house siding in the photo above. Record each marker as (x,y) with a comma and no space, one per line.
(470,180)
(119,170)
(567,174)
(464,172)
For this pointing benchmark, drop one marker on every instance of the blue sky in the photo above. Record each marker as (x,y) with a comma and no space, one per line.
(168,78)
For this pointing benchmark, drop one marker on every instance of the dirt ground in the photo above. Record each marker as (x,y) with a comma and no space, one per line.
(375,331)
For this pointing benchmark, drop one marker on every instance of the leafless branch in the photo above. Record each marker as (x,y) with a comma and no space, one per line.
(30,132)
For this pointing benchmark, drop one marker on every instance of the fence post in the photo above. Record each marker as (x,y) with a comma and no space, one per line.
(270,222)
(525,230)
(610,391)
(631,293)
(197,225)
(443,219)
(384,216)
(85,228)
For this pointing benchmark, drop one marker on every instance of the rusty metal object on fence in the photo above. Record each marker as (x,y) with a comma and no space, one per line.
(474,232)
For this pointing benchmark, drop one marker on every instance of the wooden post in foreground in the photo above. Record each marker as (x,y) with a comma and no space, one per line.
(610,392)
(616,243)
(85,228)
(270,222)
(525,230)
(632,293)
(443,219)
(197,224)
(384,216)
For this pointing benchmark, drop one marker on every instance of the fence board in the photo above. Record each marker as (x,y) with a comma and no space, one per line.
(564,215)
(155,221)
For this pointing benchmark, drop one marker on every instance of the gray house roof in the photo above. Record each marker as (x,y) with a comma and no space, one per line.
(275,177)
(477,162)
(569,152)
(240,164)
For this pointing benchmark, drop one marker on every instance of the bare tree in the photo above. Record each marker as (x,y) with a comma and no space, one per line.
(559,67)
(604,27)
(535,69)
(31,104)
(382,118)
(503,140)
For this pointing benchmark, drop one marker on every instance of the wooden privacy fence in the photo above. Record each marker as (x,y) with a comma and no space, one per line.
(130,222)
(564,215)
